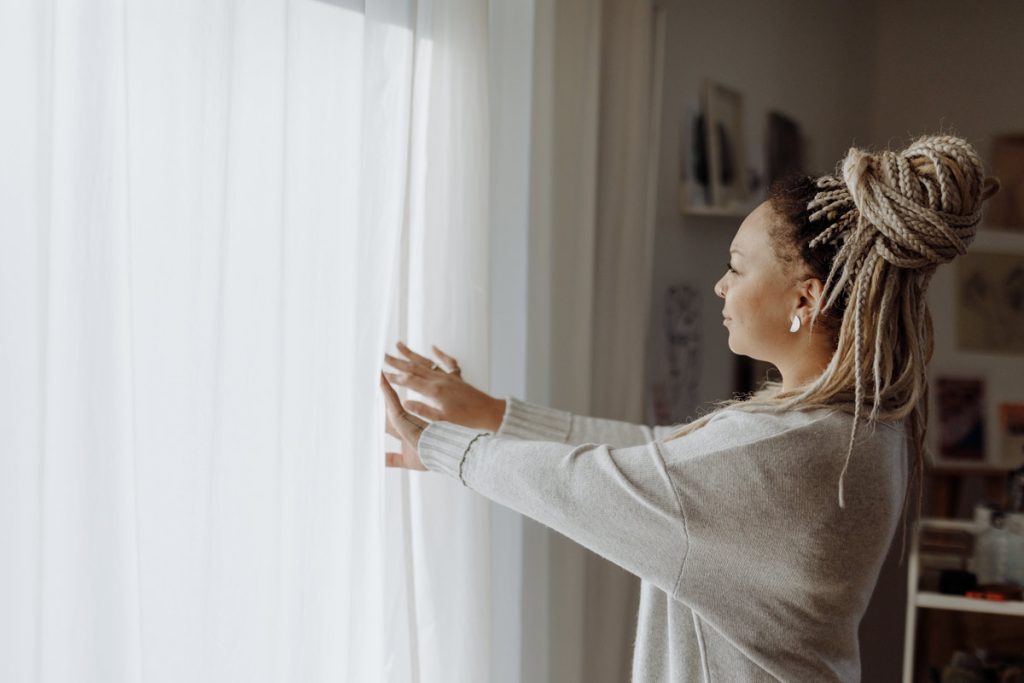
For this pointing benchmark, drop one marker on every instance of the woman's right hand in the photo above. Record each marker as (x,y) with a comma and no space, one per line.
(455,400)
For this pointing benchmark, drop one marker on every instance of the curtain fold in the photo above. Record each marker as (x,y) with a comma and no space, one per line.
(632,40)
(202,206)
(443,298)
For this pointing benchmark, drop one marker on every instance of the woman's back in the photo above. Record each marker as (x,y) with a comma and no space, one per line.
(765,575)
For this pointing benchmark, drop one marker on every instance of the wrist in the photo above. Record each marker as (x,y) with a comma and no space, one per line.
(497,415)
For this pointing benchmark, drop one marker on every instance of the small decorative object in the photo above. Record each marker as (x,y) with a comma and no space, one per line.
(1006,209)
(1011,427)
(990,302)
(961,418)
(674,392)
(785,147)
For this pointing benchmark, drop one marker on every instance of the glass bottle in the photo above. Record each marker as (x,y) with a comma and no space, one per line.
(1015,548)
(990,551)
(1015,495)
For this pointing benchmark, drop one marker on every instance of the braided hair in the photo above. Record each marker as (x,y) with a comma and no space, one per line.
(874,232)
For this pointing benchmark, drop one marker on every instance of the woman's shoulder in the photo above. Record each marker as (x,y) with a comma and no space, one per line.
(733,426)
(800,416)
(774,420)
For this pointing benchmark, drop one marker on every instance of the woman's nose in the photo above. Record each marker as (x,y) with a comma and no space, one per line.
(719,289)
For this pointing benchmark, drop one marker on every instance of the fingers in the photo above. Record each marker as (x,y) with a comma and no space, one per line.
(408,366)
(389,429)
(449,362)
(421,365)
(423,410)
(403,461)
(415,357)
(396,411)
(390,395)
(412,381)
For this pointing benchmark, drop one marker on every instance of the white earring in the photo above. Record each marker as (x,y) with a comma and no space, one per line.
(796,324)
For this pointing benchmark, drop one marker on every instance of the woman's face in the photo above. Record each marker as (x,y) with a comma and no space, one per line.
(761,296)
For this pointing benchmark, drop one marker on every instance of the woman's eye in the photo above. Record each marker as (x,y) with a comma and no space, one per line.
(728,266)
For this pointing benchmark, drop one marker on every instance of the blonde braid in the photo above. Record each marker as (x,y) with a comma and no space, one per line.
(899,230)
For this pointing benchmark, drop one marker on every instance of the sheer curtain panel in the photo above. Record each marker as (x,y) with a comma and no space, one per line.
(203,210)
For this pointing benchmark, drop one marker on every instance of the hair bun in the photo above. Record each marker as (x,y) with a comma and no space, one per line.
(919,206)
(990,187)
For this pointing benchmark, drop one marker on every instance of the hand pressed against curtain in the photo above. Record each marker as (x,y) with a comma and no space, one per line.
(404,427)
(454,399)
(763,293)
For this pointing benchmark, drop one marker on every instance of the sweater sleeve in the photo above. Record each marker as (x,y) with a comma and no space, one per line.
(737,520)
(616,501)
(524,420)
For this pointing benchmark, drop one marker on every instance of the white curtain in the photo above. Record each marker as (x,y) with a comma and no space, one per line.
(630,106)
(204,210)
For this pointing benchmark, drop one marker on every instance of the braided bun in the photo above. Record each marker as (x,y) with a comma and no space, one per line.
(916,208)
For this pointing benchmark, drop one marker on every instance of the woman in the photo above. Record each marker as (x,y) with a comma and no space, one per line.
(759,529)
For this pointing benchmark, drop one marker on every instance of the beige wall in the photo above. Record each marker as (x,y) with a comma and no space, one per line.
(948,64)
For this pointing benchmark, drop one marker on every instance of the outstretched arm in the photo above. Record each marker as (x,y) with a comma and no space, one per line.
(454,400)
(525,420)
(617,502)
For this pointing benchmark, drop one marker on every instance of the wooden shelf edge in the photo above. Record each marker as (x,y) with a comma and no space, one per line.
(981,468)
(932,600)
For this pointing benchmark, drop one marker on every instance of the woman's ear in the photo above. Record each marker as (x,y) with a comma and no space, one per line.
(811,290)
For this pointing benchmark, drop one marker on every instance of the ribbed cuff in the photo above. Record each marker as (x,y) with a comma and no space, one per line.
(530,421)
(443,447)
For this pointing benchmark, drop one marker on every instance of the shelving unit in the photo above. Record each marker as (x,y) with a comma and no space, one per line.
(918,599)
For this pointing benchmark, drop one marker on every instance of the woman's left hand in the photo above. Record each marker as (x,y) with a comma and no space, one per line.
(403,426)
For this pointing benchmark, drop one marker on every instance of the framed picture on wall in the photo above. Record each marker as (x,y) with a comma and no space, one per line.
(961,419)
(1011,434)
(990,302)
(1006,209)
(726,145)
(785,147)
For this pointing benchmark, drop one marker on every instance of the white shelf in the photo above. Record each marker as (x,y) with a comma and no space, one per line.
(918,599)
(960,604)
(947,524)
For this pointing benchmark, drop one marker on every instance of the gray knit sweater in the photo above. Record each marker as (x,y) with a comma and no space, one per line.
(750,570)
